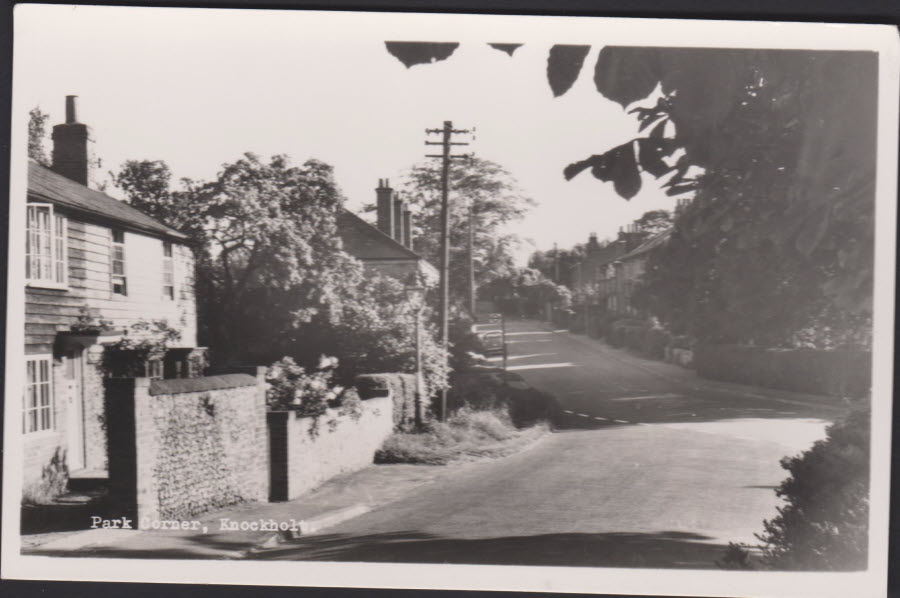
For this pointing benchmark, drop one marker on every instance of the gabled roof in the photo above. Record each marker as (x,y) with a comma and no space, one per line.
(651,243)
(46,185)
(366,242)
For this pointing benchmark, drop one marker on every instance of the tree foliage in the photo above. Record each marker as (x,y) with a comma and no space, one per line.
(825,520)
(271,278)
(495,200)
(778,147)
(37,136)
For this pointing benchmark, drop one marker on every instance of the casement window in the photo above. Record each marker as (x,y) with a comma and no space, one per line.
(153,368)
(37,402)
(168,273)
(117,267)
(45,247)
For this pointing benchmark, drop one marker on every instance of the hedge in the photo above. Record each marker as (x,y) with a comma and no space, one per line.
(841,373)
(402,388)
(651,342)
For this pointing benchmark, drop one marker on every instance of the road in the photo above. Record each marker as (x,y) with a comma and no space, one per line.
(650,467)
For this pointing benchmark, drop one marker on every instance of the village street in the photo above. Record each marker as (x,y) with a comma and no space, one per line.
(649,466)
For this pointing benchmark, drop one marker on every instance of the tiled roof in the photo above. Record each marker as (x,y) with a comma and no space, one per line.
(364,241)
(46,185)
(651,243)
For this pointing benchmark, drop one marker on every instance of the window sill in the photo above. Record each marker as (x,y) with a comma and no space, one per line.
(40,284)
(41,435)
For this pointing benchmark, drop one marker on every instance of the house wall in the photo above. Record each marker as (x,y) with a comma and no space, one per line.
(181,448)
(310,451)
(48,311)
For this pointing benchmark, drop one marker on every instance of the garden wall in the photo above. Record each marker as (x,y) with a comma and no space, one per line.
(842,373)
(307,451)
(180,448)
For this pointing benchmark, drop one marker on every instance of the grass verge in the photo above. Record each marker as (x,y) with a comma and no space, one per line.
(466,436)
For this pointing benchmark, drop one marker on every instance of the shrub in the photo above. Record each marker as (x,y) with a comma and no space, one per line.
(402,389)
(468,434)
(840,372)
(290,387)
(824,523)
(53,482)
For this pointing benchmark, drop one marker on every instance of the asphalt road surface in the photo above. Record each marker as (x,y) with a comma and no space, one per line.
(650,466)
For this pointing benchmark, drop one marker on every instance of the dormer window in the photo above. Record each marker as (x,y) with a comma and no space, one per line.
(117,266)
(45,247)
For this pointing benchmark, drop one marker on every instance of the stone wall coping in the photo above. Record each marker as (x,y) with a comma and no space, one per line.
(185,385)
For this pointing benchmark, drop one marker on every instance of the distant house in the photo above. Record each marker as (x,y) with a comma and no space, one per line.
(388,247)
(90,260)
(616,285)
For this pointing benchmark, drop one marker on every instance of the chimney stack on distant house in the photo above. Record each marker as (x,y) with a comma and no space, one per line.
(385,207)
(592,244)
(398,219)
(407,228)
(70,151)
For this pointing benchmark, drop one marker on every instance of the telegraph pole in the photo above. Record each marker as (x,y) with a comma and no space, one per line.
(555,263)
(446,142)
(472,259)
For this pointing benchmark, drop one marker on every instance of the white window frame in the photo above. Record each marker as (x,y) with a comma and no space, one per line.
(52,260)
(168,271)
(112,260)
(36,405)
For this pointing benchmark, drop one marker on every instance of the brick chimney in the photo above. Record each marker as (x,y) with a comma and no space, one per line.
(399,206)
(407,228)
(70,152)
(592,244)
(385,207)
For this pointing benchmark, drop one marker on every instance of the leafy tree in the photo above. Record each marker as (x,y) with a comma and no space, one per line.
(824,522)
(495,199)
(37,136)
(562,261)
(653,222)
(778,147)
(271,278)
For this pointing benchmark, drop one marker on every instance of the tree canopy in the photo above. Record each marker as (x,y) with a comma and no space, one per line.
(778,149)
(272,279)
(495,199)
(37,136)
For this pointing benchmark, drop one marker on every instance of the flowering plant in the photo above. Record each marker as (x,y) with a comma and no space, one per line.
(290,387)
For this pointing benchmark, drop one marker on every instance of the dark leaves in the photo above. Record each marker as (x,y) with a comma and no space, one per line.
(508,48)
(618,165)
(563,65)
(413,53)
(651,151)
(625,75)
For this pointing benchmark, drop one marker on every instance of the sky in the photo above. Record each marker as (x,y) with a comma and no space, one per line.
(197,88)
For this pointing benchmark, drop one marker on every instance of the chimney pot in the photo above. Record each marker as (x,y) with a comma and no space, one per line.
(385,208)
(71,110)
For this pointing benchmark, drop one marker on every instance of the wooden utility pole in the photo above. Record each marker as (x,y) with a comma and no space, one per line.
(446,142)
(555,263)
(472,259)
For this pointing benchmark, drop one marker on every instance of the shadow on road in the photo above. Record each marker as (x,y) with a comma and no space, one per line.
(680,550)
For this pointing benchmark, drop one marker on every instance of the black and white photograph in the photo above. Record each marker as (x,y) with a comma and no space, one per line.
(450,301)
